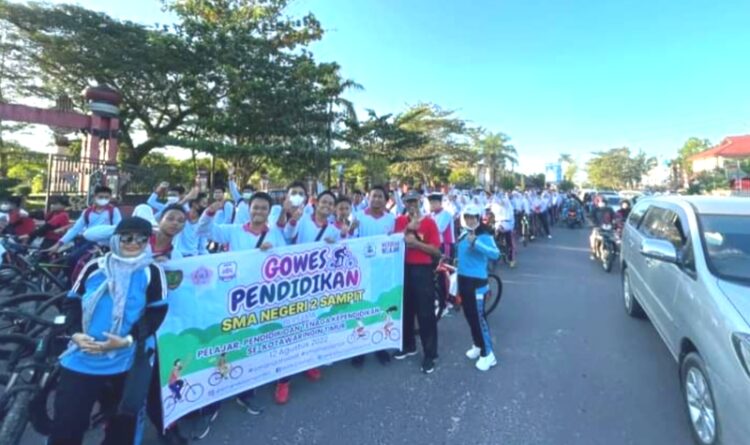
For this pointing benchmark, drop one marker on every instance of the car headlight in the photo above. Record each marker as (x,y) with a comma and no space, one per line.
(742,347)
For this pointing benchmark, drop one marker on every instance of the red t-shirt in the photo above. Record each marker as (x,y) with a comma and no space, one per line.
(427,233)
(56,220)
(19,225)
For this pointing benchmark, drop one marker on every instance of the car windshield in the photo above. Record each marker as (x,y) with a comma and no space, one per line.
(726,239)
(613,200)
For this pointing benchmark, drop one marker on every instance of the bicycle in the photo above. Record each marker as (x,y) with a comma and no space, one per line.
(355,336)
(491,299)
(26,265)
(32,367)
(217,377)
(392,334)
(188,392)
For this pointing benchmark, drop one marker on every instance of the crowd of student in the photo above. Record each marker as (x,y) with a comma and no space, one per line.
(117,301)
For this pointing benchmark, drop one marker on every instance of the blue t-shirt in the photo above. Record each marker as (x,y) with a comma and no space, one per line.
(144,287)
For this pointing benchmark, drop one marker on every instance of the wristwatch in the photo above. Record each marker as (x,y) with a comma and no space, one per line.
(129,340)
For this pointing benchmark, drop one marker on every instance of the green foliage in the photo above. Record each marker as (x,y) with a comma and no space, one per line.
(463,178)
(508,182)
(691,147)
(534,181)
(618,168)
(566,185)
(706,182)
(6,186)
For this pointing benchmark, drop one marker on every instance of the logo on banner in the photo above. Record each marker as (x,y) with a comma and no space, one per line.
(227,271)
(369,251)
(201,276)
(391,247)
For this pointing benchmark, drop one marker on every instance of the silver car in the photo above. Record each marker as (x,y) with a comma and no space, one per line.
(686,265)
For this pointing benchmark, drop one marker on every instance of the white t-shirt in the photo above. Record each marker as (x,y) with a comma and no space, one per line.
(239,237)
(307,230)
(369,225)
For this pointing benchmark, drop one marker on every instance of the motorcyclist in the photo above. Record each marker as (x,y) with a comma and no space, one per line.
(624,211)
(603,215)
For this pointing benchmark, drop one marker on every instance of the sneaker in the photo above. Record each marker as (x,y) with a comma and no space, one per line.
(474,352)
(281,395)
(214,416)
(358,361)
(512,264)
(201,426)
(250,404)
(313,375)
(549,236)
(172,437)
(486,362)
(383,357)
(400,355)
(428,366)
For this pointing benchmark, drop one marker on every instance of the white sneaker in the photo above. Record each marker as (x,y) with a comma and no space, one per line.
(549,236)
(474,352)
(487,362)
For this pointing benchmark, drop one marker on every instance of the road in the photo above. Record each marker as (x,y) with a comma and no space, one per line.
(573,369)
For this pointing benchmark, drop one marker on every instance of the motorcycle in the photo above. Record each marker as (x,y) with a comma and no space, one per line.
(608,246)
(573,218)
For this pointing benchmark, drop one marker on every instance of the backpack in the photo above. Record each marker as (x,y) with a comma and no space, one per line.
(87,212)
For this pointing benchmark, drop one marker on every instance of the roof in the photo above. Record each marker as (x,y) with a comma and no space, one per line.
(730,147)
(712,205)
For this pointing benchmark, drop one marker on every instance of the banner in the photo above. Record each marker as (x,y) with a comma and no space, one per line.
(239,320)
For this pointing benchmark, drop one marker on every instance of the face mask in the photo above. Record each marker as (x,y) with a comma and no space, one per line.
(101,202)
(4,208)
(172,200)
(296,200)
(247,195)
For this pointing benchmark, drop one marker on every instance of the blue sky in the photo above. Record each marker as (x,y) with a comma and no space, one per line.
(557,76)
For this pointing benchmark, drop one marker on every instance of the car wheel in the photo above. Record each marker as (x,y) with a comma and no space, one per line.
(699,400)
(632,307)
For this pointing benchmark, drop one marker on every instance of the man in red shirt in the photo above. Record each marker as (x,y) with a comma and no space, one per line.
(422,247)
(17,222)
(56,222)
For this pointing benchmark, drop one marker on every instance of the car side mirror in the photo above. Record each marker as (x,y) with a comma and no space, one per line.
(660,250)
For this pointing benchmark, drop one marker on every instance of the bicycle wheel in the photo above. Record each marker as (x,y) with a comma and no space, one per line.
(235,372)
(377,337)
(394,334)
(492,298)
(14,423)
(168,405)
(194,392)
(13,282)
(214,379)
(41,409)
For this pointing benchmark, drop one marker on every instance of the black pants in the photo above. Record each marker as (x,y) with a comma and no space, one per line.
(544,219)
(74,400)
(419,302)
(474,311)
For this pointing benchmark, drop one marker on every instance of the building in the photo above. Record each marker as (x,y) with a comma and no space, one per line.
(731,150)
(658,176)
(553,173)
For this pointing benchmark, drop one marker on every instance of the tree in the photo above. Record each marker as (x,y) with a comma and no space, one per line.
(230,71)
(691,147)
(495,150)
(617,168)
(570,168)
(462,178)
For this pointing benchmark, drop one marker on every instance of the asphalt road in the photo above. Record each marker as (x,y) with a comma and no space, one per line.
(573,369)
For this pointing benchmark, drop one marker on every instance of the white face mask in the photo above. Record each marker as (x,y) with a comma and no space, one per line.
(172,199)
(101,202)
(296,200)
(247,195)
(4,208)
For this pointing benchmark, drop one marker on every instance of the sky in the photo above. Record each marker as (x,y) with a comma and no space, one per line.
(557,76)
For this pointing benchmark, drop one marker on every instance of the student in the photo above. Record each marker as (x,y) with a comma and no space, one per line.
(347,226)
(100,212)
(227,214)
(56,221)
(174,195)
(302,229)
(240,214)
(17,222)
(191,240)
(112,312)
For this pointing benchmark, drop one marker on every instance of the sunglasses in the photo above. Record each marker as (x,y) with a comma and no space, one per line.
(132,238)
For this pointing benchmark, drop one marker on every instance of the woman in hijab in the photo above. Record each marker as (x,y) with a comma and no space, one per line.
(112,311)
